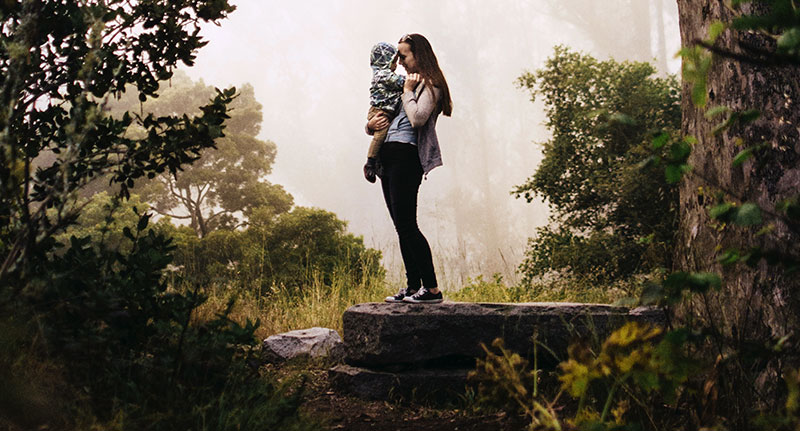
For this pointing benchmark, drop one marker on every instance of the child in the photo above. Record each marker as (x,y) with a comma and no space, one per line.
(384,97)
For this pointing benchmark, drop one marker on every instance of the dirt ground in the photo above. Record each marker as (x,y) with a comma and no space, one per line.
(342,412)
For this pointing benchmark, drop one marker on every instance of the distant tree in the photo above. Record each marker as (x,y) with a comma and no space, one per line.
(307,243)
(610,218)
(290,251)
(227,182)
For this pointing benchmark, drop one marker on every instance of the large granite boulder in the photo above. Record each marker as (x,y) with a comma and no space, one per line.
(310,343)
(449,335)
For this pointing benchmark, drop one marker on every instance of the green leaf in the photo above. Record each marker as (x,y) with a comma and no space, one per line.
(729,257)
(748,116)
(748,214)
(680,151)
(699,92)
(143,221)
(765,230)
(789,40)
(702,281)
(660,140)
(717,110)
(673,173)
(721,211)
(743,156)
(646,239)
(717,27)
(721,127)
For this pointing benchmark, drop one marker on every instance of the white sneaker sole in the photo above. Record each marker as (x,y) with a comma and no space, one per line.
(391,300)
(423,301)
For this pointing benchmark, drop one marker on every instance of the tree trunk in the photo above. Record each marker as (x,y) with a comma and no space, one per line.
(753,304)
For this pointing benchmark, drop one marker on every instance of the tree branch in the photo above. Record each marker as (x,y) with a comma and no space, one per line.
(767,58)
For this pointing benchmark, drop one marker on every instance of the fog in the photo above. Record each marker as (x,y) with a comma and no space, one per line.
(309,64)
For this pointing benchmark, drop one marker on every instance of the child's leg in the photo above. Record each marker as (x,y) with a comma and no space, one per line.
(379,136)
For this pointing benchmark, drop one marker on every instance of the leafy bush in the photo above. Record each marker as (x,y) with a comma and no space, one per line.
(611,219)
(285,252)
(102,339)
(132,352)
(703,371)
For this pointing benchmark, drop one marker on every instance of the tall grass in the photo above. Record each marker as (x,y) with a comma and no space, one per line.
(553,289)
(281,310)
(321,304)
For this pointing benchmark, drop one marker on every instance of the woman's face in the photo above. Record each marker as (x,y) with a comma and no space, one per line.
(406,58)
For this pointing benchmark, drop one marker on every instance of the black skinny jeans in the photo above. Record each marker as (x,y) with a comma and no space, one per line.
(400,180)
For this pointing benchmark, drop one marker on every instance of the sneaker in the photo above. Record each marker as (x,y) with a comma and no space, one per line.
(424,296)
(403,293)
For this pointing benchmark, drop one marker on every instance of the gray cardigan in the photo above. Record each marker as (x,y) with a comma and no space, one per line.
(422,109)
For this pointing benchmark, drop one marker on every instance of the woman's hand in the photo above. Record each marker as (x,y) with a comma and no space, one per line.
(378,122)
(411,81)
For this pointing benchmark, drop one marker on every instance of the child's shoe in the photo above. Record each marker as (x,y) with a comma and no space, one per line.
(370,169)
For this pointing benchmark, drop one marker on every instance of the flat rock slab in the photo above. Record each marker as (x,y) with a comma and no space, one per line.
(418,385)
(449,335)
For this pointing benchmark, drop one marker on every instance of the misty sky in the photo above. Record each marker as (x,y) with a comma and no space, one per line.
(309,64)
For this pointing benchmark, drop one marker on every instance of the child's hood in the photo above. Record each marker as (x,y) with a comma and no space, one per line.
(382,55)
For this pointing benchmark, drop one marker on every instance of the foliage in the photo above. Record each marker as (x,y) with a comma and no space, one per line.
(506,380)
(59,61)
(104,218)
(695,375)
(611,218)
(778,20)
(132,351)
(624,382)
(97,316)
(227,182)
(280,253)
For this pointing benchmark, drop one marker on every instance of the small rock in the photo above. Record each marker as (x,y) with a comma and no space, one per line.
(313,342)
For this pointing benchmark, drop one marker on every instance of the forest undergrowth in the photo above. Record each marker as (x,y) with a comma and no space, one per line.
(322,304)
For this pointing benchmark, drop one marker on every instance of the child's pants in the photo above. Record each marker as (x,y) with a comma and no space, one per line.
(380,135)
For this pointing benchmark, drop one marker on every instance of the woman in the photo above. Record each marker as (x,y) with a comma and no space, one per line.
(410,151)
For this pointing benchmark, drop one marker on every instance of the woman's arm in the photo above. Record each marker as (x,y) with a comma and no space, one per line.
(419,108)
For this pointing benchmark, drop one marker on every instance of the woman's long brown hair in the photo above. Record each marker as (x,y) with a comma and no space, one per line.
(428,67)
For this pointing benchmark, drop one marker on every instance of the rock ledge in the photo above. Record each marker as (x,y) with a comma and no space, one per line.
(380,335)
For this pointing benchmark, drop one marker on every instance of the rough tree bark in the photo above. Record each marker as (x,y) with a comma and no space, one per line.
(753,303)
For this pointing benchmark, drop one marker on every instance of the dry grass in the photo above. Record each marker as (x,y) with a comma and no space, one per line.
(278,310)
(553,290)
(320,304)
